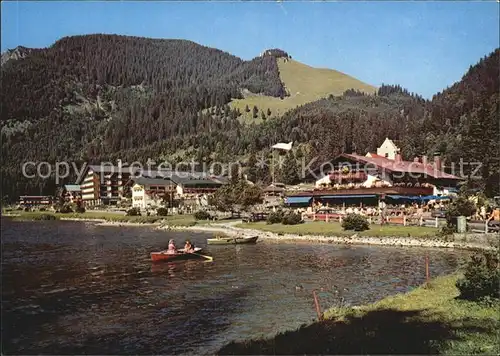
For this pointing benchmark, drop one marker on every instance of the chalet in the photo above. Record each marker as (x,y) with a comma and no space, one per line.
(375,177)
(72,193)
(152,192)
(192,188)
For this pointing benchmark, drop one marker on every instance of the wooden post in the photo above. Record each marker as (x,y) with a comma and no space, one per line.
(340,219)
(427,276)
(437,222)
(314,216)
(486,227)
(326,217)
(404,220)
(421,221)
(317,306)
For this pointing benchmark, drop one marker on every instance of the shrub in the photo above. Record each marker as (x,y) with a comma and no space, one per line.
(355,222)
(45,217)
(133,212)
(292,219)
(65,209)
(79,209)
(275,217)
(460,207)
(447,230)
(202,215)
(162,211)
(481,278)
(27,209)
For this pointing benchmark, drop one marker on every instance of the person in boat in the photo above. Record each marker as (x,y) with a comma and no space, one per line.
(172,250)
(188,247)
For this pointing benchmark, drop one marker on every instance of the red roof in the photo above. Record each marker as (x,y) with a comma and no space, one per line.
(374,155)
(401,166)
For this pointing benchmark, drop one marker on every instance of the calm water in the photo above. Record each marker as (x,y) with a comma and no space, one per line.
(72,288)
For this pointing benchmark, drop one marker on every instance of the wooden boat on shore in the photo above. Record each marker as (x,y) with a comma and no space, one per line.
(232,240)
(180,255)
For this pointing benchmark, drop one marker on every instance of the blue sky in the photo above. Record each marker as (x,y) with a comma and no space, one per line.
(423,46)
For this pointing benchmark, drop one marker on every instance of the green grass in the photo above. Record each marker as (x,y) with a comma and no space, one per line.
(428,320)
(334,229)
(305,84)
(177,220)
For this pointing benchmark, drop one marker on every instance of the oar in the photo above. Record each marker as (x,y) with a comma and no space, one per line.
(207,257)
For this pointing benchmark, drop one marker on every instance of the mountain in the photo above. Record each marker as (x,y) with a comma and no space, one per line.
(303,84)
(98,98)
(19,52)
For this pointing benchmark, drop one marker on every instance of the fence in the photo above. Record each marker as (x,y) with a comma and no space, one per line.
(405,220)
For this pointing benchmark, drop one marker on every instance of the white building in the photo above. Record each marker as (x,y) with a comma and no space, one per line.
(103,184)
(152,192)
(387,149)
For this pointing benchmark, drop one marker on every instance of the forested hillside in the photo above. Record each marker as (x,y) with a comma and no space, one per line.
(102,97)
(88,96)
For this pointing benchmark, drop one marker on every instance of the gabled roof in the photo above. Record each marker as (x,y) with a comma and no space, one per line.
(392,142)
(401,166)
(374,155)
(195,181)
(153,181)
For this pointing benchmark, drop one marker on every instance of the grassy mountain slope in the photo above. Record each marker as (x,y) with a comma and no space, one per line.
(304,84)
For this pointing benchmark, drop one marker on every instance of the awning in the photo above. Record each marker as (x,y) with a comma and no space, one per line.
(347,196)
(297,200)
(407,197)
(437,197)
(414,197)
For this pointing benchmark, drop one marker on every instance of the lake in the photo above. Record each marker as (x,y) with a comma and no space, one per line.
(76,287)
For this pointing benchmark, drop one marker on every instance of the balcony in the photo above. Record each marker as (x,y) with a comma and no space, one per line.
(199,190)
(374,190)
(352,176)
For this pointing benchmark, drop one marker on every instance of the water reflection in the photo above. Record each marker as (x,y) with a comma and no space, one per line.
(79,288)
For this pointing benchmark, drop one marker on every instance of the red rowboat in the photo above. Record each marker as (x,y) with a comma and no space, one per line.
(181,255)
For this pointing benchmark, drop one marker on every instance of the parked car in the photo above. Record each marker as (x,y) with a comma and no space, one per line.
(439,214)
(255,217)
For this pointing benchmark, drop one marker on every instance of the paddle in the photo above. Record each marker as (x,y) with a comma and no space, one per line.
(207,257)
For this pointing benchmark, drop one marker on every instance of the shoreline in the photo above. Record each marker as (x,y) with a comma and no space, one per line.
(471,241)
(482,241)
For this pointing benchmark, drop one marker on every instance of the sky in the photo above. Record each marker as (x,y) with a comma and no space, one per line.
(423,46)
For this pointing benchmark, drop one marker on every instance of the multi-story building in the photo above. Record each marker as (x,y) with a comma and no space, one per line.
(152,192)
(103,184)
(189,189)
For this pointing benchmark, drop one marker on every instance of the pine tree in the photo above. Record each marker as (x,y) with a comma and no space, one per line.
(268,112)
(288,172)
(247,109)
(255,111)
(252,168)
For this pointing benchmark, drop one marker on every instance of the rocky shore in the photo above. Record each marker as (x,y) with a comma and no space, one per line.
(469,241)
(461,241)
(124,223)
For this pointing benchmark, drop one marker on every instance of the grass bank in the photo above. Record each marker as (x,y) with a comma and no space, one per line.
(428,320)
(175,220)
(335,229)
